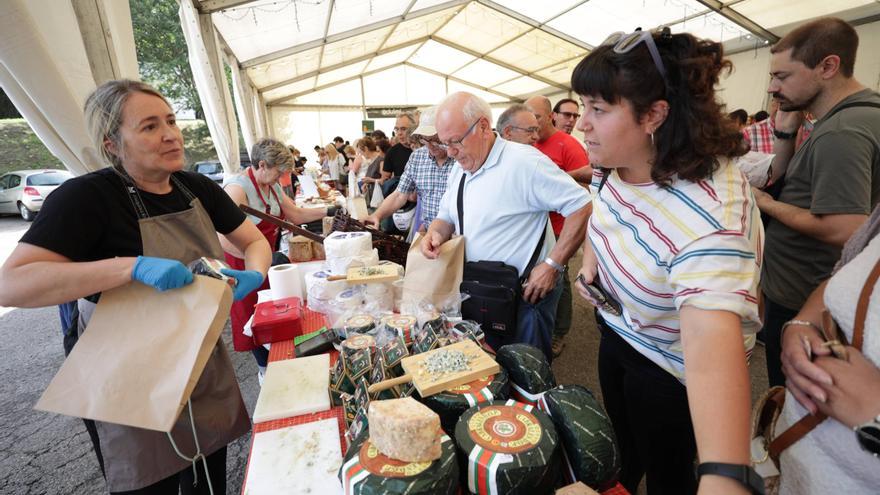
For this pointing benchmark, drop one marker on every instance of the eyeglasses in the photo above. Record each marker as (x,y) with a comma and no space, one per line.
(457,143)
(426,142)
(401,129)
(569,115)
(525,129)
(624,43)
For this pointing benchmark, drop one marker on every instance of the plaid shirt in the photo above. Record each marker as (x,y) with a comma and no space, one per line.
(422,174)
(760,136)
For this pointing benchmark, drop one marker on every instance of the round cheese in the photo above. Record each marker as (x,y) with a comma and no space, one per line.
(450,404)
(529,372)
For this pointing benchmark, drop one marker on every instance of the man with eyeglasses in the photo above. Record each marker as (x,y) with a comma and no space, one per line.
(518,124)
(397,156)
(571,157)
(425,174)
(507,189)
(565,115)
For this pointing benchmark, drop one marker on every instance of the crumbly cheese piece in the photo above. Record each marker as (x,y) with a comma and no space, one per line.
(405,429)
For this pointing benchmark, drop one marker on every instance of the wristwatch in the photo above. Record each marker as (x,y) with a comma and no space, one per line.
(784,135)
(868,436)
(556,266)
(740,472)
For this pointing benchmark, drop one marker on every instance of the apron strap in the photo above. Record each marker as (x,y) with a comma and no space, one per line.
(250,172)
(133,195)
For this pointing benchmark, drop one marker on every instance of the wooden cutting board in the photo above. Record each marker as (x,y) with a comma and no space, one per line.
(293,387)
(369,274)
(481,364)
(301,459)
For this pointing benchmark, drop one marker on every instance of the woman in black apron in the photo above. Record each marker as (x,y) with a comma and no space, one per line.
(141,219)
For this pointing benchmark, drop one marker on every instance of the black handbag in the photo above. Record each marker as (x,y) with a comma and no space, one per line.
(494,287)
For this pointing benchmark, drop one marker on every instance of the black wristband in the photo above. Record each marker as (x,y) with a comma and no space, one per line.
(331,211)
(740,472)
(784,135)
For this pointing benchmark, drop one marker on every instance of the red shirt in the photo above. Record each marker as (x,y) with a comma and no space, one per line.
(569,155)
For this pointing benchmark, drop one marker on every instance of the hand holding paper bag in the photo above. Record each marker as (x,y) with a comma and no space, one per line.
(141,355)
(435,277)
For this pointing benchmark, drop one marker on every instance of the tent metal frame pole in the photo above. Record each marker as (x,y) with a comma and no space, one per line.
(531,22)
(344,64)
(330,5)
(293,50)
(739,19)
(462,81)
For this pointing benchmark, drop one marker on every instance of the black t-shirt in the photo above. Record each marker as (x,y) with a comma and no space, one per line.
(90,218)
(395,159)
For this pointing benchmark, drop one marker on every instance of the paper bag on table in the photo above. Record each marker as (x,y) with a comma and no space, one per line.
(434,280)
(141,354)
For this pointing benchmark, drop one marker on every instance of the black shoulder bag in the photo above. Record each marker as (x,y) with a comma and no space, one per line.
(494,287)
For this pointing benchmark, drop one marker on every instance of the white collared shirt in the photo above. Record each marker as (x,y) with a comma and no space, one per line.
(506,202)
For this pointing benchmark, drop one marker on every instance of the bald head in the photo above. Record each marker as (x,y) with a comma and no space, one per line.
(464,123)
(541,107)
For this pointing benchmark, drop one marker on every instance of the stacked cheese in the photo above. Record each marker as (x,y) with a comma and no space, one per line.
(404,429)
(345,250)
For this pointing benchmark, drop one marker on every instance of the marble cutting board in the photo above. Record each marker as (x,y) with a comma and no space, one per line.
(293,387)
(301,459)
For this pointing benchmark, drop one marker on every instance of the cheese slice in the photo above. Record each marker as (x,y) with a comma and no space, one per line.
(405,429)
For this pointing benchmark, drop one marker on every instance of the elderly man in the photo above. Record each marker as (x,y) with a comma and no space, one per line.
(397,156)
(565,115)
(507,189)
(833,181)
(518,124)
(571,157)
(425,174)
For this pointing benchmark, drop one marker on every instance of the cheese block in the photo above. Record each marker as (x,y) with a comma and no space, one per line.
(366,471)
(529,372)
(405,430)
(507,448)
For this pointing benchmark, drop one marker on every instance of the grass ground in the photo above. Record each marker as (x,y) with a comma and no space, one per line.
(21,149)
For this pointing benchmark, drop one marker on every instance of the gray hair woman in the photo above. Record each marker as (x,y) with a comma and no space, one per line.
(258,187)
(107,228)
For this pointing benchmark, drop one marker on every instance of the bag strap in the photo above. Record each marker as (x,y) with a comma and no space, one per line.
(810,421)
(460,205)
(852,104)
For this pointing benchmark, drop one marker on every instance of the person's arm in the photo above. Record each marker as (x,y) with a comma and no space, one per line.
(802,375)
(834,229)
(34,277)
(718,391)
(386,174)
(297,215)
(542,279)
(248,239)
(239,197)
(783,149)
(392,203)
(356,163)
(438,232)
(583,175)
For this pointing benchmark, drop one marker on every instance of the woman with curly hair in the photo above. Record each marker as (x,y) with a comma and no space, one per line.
(675,242)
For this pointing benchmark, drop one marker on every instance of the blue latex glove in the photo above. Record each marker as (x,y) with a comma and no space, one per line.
(246,281)
(161,273)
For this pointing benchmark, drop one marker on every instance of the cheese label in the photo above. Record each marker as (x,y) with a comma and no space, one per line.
(505,429)
(474,386)
(424,341)
(393,352)
(382,465)
(359,362)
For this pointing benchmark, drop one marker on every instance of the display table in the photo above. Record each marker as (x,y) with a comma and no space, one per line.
(313,321)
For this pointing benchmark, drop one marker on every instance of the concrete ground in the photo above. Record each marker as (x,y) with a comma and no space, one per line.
(44,453)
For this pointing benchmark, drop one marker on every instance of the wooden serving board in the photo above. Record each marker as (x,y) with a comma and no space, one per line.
(369,274)
(482,364)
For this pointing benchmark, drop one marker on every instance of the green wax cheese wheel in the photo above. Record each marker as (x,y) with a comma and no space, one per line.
(450,404)
(586,434)
(367,471)
(508,448)
(529,372)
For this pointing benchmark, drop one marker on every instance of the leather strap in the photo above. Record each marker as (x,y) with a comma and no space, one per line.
(862,306)
(810,421)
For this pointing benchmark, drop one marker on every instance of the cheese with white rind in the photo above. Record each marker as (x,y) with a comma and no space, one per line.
(405,429)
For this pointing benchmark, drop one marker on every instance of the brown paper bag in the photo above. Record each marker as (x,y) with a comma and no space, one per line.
(141,354)
(435,280)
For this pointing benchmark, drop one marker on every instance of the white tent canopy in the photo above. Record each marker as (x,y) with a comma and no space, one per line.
(316,66)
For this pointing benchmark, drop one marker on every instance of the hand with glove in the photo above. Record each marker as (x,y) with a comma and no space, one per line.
(246,281)
(161,273)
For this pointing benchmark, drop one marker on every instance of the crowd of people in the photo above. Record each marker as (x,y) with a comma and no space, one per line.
(677,260)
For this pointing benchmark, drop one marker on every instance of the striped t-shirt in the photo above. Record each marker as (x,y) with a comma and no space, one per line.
(696,243)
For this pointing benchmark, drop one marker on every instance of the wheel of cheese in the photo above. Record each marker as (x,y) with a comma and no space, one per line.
(366,471)
(507,448)
(450,404)
(359,324)
(402,324)
(529,372)
(590,448)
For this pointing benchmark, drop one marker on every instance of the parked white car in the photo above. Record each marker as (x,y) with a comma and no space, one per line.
(23,191)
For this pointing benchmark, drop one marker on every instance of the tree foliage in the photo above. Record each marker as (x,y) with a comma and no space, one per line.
(161,52)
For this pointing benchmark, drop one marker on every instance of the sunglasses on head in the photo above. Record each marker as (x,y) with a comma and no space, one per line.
(625,42)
